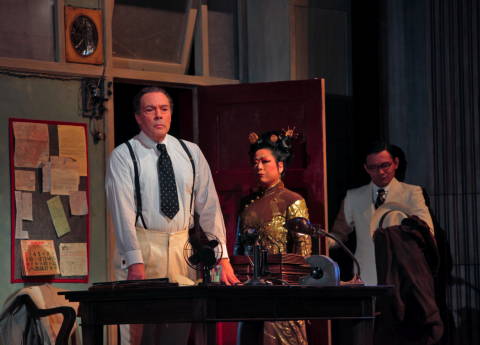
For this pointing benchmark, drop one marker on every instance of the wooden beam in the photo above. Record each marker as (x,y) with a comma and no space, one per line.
(127,74)
(148,65)
(188,40)
(51,67)
(202,58)
(60,31)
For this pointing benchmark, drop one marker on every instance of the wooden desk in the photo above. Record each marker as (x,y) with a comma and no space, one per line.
(225,303)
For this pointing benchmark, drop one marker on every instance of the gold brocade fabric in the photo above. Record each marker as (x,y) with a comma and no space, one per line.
(285,333)
(267,212)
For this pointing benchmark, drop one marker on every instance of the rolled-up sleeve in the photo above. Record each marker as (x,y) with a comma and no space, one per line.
(120,191)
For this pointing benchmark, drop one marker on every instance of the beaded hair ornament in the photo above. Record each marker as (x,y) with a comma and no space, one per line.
(280,142)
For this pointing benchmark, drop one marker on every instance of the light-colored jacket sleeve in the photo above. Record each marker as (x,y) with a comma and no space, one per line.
(419,208)
(343,224)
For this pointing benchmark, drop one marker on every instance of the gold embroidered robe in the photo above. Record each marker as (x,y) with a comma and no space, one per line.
(267,212)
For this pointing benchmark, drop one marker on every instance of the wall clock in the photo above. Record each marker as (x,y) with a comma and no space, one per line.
(83,35)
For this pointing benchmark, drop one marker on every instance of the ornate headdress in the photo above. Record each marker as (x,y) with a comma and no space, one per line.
(280,142)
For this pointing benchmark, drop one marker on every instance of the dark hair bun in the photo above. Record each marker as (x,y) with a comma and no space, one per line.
(279,142)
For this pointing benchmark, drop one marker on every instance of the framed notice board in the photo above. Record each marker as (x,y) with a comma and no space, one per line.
(50,201)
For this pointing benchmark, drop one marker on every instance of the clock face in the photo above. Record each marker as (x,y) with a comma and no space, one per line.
(84,36)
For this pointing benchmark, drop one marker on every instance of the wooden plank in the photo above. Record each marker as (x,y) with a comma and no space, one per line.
(169,77)
(202,60)
(188,41)
(59,31)
(147,65)
(51,67)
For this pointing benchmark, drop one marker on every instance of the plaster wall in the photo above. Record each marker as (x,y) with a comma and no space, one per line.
(39,98)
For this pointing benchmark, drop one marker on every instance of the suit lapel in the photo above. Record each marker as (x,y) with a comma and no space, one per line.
(394,191)
(367,203)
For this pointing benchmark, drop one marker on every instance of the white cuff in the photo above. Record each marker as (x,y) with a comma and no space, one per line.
(133,257)
(224,251)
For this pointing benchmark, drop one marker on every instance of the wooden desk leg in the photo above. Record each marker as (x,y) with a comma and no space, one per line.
(92,334)
(363,332)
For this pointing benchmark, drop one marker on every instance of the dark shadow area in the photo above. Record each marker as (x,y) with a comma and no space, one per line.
(363,124)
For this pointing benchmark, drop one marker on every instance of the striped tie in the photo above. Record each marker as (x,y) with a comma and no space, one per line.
(380,198)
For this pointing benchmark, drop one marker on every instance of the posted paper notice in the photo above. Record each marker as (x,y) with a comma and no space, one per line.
(59,218)
(72,143)
(73,259)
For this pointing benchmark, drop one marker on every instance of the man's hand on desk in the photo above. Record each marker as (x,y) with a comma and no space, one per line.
(228,276)
(136,272)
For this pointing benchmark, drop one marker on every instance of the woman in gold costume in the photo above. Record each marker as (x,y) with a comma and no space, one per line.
(266,211)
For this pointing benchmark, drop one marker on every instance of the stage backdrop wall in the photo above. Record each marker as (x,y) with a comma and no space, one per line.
(41,98)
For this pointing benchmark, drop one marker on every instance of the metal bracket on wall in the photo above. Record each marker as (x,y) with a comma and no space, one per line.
(94,94)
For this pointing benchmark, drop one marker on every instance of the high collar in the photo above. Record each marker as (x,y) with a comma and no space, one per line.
(275,187)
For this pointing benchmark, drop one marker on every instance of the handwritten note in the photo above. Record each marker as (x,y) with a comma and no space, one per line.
(59,219)
(72,143)
(27,212)
(20,234)
(63,181)
(78,203)
(73,259)
(46,168)
(25,180)
(31,144)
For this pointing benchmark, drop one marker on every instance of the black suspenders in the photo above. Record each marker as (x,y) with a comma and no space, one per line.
(138,196)
(193,169)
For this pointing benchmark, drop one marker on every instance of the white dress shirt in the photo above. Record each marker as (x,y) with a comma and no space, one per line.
(375,190)
(120,188)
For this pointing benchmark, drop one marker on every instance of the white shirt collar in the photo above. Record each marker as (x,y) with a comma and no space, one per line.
(148,142)
(376,188)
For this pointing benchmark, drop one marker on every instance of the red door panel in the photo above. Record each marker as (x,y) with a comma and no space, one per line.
(227,114)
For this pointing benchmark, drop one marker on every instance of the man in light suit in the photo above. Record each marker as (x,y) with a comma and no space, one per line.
(359,206)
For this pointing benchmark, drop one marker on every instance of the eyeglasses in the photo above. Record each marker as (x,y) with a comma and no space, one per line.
(383,166)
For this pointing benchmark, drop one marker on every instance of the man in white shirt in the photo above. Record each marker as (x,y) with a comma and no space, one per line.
(150,240)
(359,206)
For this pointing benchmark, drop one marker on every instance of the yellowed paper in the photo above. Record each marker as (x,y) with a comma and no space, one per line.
(58,162)
(63,181)
(20,234)
(59,218)
(78,203)
(46,168)
(39,258)
(72,143)
(73,259)
(25,180)
(31,144)
(27,213)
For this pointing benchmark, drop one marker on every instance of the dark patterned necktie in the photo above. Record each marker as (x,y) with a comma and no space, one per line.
(380,198)
(168,187)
